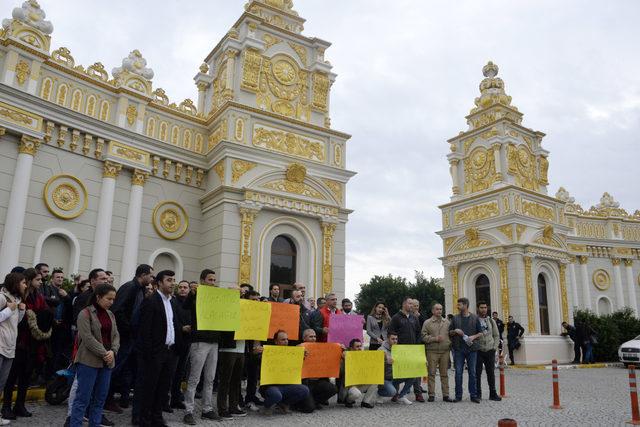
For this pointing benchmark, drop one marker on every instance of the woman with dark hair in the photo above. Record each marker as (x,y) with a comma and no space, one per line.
(98,343)
(33,332)
(12,312)
(377,322)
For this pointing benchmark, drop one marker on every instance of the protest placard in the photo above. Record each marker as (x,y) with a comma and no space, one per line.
(254,320)
(217,309)
(409,361)
(281,365)
(285,317)
(343,328)
(364,367)
(322,361)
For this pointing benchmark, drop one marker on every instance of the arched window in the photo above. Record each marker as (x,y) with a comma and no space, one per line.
(483,290)
(56,252)
(543,305)
(604,306)
(283,264)
(164,261)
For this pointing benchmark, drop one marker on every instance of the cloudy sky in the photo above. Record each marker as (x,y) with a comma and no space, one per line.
(408,71)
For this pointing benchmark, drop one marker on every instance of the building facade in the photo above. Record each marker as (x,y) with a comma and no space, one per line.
(105,171)
(528,254)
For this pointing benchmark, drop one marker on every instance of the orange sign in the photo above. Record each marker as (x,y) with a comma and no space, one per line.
(322,361)
(285,317)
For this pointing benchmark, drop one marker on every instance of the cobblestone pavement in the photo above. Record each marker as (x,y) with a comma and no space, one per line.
(590,397)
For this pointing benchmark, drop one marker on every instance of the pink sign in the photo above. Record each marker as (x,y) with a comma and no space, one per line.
(344,328)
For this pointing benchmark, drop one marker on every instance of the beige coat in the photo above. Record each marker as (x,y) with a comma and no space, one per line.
(431,328)
(90,349)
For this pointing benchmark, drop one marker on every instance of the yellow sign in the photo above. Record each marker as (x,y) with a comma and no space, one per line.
(364,367)
(217,309)
(281,365)
(254,320)
(409,361)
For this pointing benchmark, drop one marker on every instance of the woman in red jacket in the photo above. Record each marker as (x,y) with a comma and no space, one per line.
(33,333)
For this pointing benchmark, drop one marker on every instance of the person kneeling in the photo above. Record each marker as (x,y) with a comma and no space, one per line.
(350,395)
(282,395)
(320,389)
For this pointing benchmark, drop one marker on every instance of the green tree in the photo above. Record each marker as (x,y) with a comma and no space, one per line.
(427,291)
(391,290)
(612,330)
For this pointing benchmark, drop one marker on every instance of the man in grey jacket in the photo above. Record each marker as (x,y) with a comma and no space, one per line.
(488,344)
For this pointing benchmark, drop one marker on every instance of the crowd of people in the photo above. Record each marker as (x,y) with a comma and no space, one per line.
(135,346)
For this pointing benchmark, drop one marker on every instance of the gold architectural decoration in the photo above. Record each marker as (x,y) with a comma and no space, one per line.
(337,155)
(178,171)
(577,248)
(583,259)
(251,67)
(520,229)
(445,220)
(270,41)
(453,270)
(65,196)
(170,220)
(321,86)
(239,168)
(563,292)
(47,85)
(547,237)
(328,230)
(48,132)
(601,280)
(155,165)
(288,143)
(99,147)
(218,135)
(75,138)
(111,170)
(591,229)
(529,289)
(507,230)
(199,177)
(472,240)
(189,175)
(477,213)
(479,170)
(301,51)
(28,145)
(294,183)
(615,262)
(239,130)
(447,243)
(219,168)
(62,136)
(522,165)
(86,145)
(335,187)
(167,168)
(505,204)
(543,170)
(22,72)
(139,177)
(128,153)
(132,113)
(504,286)
(536,210)
(291,205)
(248,217)
(628,262)
(20,117)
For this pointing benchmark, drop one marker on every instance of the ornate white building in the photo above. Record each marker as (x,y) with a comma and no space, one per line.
(530,255)
(101,171)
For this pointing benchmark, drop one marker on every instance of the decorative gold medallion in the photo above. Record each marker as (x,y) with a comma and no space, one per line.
(65,196)
(284,72)
(170,220)
(601,280)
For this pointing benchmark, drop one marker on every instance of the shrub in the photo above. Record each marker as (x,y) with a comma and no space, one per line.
(612,331)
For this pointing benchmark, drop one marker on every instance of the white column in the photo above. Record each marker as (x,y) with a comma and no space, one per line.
(16,209)
(586,289)
(132,232)
(574,283)
(454,176)
(617,282)
(628,269)
(102,238)
(498,160)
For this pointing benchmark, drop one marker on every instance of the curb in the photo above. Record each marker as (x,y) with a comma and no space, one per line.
(573,366)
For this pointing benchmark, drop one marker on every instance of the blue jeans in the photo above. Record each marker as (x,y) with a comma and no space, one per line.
(387,390)
(408,383)
(459,357)
(93,387)
(588,353)
(288,394)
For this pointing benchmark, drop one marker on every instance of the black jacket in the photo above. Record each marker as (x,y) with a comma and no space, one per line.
(514,331)
(196,335)
(81,302)
(408,328)
(124,307)
(184,317)
(152,334)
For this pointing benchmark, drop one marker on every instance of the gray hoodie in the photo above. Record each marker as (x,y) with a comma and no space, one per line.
(9,320)
(490,339)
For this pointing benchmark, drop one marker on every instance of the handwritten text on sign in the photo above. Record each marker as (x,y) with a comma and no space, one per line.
(364,367)
(322,361)
(285,317)
(281,365)
(254,320)
(217,309)
(343,328)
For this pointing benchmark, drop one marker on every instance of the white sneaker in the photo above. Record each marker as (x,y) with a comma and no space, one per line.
(404,401)
(380,401)
(253,407)
(4,422)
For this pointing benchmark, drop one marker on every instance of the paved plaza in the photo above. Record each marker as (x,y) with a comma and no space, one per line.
(593,397)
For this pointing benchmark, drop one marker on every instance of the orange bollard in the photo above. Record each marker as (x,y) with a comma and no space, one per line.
(507,422)
(503,390)
(633,391)
(556,386)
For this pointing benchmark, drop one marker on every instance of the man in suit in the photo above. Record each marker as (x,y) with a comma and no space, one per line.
(157,336)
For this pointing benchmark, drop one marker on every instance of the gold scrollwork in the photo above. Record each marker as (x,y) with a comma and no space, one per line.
(453,270)
(522,165)
(289,143)
(170,220)
(246,230)
(536,210)
(65,196)
(504,286)
(479,170)
(563,292)
(239,168)
(328,230)
(529,289)
(477,213)
(601,279)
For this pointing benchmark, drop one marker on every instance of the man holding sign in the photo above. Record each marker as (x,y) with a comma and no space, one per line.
(322,363)
(203,356)
(351,394)
(280,375)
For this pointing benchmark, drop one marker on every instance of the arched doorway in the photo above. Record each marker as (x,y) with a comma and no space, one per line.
(483,290)
(283,264)
(164,261)
(604,306)
(56,251)
(543,305)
